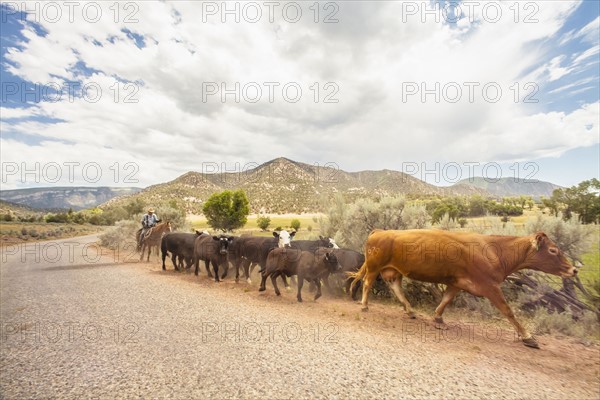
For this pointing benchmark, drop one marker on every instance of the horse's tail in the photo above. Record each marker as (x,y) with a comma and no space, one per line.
(358,275)
(137,239)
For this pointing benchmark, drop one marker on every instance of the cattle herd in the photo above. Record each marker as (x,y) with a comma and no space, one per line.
(475,263)
(277,256)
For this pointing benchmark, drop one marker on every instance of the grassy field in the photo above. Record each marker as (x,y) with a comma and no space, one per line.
(18,232)
(591,263)
(308,226)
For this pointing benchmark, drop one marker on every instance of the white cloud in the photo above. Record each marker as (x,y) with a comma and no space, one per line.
(371,55)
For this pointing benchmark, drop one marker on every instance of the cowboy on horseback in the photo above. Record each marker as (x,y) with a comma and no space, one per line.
(149,220)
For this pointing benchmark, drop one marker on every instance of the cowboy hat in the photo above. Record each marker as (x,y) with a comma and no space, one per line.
(151,209)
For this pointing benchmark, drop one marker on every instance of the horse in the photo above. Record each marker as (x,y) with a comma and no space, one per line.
(152,237)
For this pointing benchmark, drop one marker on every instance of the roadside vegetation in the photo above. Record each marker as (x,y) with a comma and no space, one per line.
(569,217)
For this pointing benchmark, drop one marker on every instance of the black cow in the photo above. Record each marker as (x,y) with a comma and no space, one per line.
(212,249)
(351,261)
(307,265)
(252,250)
(181,246)
(312,245)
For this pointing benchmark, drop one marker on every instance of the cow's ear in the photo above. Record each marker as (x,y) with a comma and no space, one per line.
(293,234)
(539,240)
(198,233)
(276,234)
(230,238)
(321,237)
(216,238)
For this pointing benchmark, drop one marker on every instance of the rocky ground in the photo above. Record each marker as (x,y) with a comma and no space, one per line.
(77,324)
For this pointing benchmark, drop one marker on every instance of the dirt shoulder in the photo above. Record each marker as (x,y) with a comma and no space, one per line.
(484,342)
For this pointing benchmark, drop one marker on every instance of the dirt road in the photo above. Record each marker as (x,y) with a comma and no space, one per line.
(76,325)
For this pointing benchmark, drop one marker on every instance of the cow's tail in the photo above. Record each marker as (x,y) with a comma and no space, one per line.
(358,275)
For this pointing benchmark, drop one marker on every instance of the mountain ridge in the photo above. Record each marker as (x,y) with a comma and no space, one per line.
(282,185)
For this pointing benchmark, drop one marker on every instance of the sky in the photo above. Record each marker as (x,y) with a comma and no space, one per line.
(138,93)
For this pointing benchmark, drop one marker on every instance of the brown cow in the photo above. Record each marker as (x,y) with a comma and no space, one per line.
(475,263)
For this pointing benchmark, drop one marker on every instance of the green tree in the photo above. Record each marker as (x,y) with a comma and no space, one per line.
(263,222)
(134,207)
(227,210)
(582,199)
(295,224)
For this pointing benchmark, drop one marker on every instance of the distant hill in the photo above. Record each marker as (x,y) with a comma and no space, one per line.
(282,185)
(17,209)
(77,198)
(509,187)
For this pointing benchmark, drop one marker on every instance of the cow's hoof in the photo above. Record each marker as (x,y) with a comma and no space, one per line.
(299,299)
(440,324)
(237,280)
(288,288)
(278,293)
(261,289)
(531,342)
(364,309)
(412,315)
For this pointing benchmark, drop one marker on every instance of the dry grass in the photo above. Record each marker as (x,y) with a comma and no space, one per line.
(19,232)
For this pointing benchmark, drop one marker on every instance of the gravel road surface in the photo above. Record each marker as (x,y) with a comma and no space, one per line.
(75,325)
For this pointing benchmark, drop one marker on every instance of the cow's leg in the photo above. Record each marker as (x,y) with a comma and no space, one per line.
(396,286)
(216,269)
(351,292)
(449,294)
(274,282)
(197,264)
(225,270)
(356,287)
(207,266)
(164,256)
(263,281)
(368,282)
(247,271)
(236,264)
(300,284)
(318,284)
(174,260)
(496,296)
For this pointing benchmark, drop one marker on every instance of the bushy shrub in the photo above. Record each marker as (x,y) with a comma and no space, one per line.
(586,326)
(571,236)
(295,224)
(123,233)
(263,222)
(351,224)
(448,224)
